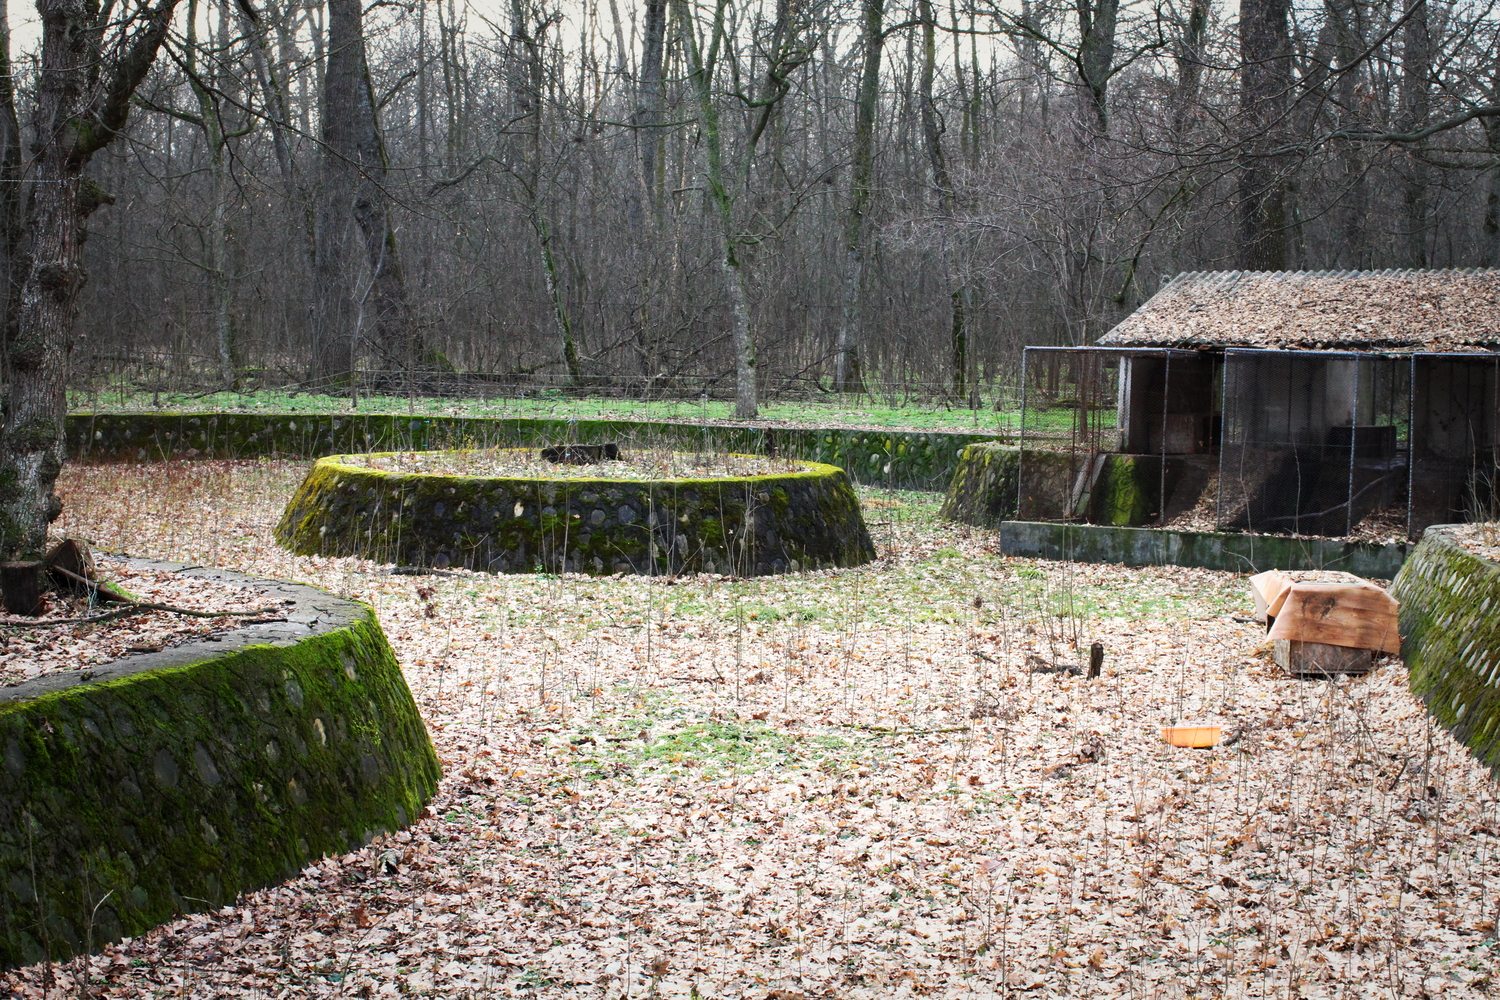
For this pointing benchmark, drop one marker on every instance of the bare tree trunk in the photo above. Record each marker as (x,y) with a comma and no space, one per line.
(83,99)
(1354,247)
(1265,81)
(1189,67)
(216,266)
(1416,98)
(847,373)
(354,178)
(932,129)
(647,225)
(700,73)
(11,220)
(527,74)
(1489,247)
(1096,57)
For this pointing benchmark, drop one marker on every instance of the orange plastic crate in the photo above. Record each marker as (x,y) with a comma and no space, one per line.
(1192,736)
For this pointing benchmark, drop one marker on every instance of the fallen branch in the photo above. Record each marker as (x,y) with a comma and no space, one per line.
(135,607)
(887,731)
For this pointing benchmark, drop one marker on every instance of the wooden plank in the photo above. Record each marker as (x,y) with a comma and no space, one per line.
(1321,659)
(1359,615)
(1266,589)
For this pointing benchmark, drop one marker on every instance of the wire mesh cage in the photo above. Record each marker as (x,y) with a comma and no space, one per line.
(1455,448)
(1115,435)
(1314,442)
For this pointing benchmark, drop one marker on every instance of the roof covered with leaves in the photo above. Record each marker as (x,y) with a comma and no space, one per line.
(1412,310)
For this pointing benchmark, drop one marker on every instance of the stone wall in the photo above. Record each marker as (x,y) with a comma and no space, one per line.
(744,526)
(985,485)
(1450,638)
(922,460)
(173,781)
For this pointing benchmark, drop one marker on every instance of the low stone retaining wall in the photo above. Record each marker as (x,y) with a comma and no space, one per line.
(741,526)
(1450,638)
(173,781)
(922,460)
(1097,543)
(985,485)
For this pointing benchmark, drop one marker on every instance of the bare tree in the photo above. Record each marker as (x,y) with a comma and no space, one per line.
(1265,88)
(92,61)
(354,190)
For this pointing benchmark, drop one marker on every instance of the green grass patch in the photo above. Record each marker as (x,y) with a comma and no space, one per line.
(837,412)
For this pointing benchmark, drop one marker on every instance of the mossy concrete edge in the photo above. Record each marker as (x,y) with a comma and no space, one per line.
(1098,543)
(1450,639)
(985,485)
(174,781)
(734,525)
(922,460)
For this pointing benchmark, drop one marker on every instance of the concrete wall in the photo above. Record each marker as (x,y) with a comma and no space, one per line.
(1450,638)
(1208,550)
(742,526)
(985,486)
(922,460)
(173,781)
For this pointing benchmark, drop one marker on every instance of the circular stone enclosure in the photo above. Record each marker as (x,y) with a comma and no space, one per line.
(740,526)
(162,783)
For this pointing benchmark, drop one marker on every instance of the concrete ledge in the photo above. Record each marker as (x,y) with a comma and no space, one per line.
(1097,543)
(984,486)
(1450,639)
(921,460)
(173,781)
(739,525)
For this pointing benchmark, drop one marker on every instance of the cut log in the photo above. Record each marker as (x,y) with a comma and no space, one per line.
(1321,659)
(21,586)
(1357,615)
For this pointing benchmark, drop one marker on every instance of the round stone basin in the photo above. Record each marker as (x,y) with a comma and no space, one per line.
(737,515)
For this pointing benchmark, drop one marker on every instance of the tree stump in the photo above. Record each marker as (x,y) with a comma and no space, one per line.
(21,587)
(581,454)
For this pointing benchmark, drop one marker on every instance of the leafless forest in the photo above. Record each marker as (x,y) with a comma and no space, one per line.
(675,193)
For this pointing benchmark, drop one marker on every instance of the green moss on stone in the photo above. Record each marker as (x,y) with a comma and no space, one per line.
(985,485)
(1126,491)
(1450,639)
(745,526)
(126,802)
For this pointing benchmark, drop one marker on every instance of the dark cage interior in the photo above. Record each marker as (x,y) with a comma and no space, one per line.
(1454,447)
(1314,443)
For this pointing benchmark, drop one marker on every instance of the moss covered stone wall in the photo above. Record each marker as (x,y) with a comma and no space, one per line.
(900,459)
(747,526)
(1450,638)
(985,485)
(173,781)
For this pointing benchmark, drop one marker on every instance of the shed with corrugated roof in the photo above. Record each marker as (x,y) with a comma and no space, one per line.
(1354,403)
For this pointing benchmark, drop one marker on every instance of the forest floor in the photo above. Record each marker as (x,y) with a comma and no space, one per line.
(842,784)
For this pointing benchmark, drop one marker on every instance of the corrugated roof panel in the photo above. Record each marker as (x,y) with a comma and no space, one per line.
(1434,310)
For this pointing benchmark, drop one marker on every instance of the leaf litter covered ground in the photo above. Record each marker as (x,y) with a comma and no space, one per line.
(843,784)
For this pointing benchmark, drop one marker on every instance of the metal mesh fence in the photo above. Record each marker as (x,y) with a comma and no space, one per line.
(1455,450)
(1313,442)
(1118,436)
